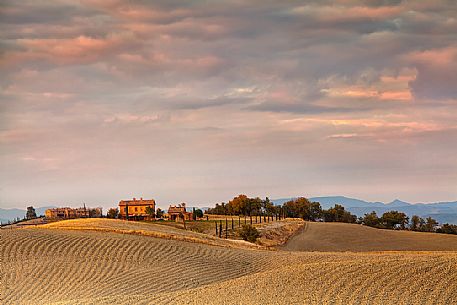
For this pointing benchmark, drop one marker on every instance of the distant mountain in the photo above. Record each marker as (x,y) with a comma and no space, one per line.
(11,214)
(327,202)
(398,203)
(443,212)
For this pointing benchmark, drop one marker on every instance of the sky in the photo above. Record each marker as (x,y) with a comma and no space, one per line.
(199,101)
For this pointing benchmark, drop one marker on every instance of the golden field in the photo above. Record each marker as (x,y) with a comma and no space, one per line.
(115,262)
(334,236)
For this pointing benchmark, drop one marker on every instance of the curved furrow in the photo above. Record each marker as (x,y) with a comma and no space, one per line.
(404,281)
(446,283)
(357,292)
(76,267)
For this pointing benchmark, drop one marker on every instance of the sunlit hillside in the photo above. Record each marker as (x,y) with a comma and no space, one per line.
(107,265)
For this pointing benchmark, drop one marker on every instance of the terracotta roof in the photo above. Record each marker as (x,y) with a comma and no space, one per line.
(137,202)
(173,209)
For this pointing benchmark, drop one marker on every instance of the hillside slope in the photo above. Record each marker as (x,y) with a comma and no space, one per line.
(324,236)
(61,266)
(148,229)
(375,279)
(40,266)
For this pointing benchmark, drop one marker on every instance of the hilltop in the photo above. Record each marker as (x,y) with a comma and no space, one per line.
(334,236)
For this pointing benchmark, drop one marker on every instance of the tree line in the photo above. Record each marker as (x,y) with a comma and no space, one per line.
(312,211)
(296,208)
(399,220)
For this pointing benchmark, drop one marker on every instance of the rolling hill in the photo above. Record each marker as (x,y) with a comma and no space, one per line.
(61,265)
(333,236)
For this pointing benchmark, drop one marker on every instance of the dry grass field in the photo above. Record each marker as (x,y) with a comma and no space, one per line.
(58,265)
(159,230)
(320,236)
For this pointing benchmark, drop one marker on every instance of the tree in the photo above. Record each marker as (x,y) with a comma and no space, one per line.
(238,205)
(430,224)
(415,223)
(392,219)
(112,213)
(253,206)
(268,206)
(447,229)
(249,233)
(197,213)
(159,213)
(298,208)
(219,209)
(31,214)
(303,208)
(150,211)
(315,211)
(338,214)
(371,219)
(422,224)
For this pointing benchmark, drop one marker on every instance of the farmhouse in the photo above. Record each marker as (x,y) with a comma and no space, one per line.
(178,212)
(68,213)
(136,208)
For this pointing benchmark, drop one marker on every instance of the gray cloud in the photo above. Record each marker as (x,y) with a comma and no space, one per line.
(142,96)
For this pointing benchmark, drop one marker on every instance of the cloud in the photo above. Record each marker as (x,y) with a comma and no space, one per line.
(79,50)
(437,72)
(382,86)
(112,91)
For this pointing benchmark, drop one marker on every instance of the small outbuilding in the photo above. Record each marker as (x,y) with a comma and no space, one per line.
(178,212)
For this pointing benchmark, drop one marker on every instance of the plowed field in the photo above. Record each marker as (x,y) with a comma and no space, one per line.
(61,266)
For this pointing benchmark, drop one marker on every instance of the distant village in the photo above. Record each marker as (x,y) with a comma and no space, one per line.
(134,209)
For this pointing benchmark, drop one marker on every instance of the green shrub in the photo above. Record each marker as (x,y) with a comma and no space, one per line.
(249,233)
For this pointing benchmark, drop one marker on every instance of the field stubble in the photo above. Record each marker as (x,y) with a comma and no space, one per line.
(43,266)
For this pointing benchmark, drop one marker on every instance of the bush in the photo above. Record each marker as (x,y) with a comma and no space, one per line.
(338,214)
(249,233)
(112,213)
(447,229)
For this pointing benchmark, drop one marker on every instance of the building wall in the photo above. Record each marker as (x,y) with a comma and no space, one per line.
(136,210)
(135,207)
(66,213)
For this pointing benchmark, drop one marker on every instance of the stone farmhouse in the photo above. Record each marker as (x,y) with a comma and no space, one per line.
(69,213)
(178,212)
(136,208)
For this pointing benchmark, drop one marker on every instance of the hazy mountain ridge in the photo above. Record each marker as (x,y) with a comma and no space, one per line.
(11,214)
(444,212)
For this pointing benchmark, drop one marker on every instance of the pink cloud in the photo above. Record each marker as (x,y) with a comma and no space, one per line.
(386,86)
(372,12)
(82,49)
(341,13)
(129,10)
(171,62)
(434,57)
(396,95)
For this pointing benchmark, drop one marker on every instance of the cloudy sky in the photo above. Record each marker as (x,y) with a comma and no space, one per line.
(198,101)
